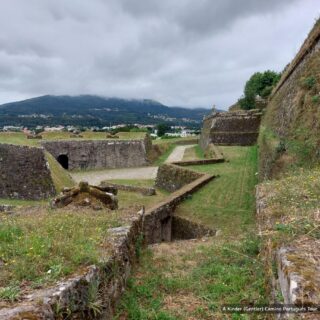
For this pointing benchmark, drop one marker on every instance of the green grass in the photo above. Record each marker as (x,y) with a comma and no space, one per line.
(228,201)
(192,280)
(39,246)
(199,152)
(164,156)
(42,246)
(61,178)
(20,138)
(193,153)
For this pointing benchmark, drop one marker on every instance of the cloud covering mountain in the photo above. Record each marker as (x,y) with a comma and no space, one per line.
(180,52)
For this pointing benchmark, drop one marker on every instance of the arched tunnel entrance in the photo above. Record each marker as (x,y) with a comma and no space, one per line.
(63,160)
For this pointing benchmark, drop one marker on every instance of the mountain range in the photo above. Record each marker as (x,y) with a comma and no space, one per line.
(89,110)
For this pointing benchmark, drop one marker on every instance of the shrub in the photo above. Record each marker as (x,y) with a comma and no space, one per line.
(309,82)
(316,99)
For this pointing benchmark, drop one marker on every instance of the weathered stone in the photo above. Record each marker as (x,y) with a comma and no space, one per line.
(89,154)
(24,173)
(74,195)
(171,177)
(187,229)
(231,128)
(105,185)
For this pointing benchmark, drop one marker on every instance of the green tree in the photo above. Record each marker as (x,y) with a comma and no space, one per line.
(260,83)
(162,129)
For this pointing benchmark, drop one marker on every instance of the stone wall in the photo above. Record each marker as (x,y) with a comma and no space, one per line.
(184,229)
(290,126)
(97,154)
(24,173)
(171,177)
(231,128)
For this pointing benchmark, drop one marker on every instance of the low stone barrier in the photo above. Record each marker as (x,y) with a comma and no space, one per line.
(146,191)
(198,162)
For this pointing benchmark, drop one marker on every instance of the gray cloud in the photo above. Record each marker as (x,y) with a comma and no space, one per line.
(181,52)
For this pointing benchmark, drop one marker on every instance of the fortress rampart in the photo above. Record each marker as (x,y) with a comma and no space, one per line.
(97,154)
(231,128)
(24,173)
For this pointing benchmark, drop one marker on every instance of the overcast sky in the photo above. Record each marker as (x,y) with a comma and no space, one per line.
(179,52)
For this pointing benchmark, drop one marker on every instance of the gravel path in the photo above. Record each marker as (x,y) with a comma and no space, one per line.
(96,176)
(178,153)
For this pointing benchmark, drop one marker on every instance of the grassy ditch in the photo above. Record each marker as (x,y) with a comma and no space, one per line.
(229,200)
(192,280)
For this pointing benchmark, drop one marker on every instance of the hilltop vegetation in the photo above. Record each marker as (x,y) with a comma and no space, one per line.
(87,110)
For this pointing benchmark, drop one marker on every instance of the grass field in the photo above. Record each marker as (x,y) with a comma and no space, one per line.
(39,245)
(21,139)
(229,198)
(193,279)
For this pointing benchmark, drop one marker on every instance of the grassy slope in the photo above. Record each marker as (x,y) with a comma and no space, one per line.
(193,153)
(61,178)
(191,280)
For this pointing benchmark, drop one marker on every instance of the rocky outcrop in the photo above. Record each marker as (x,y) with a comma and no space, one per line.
(24,173)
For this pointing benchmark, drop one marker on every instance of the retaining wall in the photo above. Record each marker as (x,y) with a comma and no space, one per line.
(24,173)
(291,121)
(171,177)
(231,128)
(98,154)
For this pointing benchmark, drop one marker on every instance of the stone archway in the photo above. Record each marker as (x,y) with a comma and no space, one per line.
(63,160)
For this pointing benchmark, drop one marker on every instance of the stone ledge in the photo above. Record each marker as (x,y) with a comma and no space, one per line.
(198,162)
(298,270)
(146,191)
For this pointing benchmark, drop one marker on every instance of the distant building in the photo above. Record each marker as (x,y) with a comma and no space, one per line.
(12,129)
(52,129)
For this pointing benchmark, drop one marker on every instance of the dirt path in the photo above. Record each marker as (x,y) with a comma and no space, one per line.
(178,153)
(95,177)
